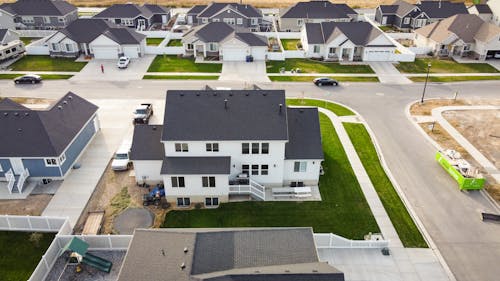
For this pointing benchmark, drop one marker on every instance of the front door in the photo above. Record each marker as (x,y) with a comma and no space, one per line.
(384,20)
(17,165)
(142,24)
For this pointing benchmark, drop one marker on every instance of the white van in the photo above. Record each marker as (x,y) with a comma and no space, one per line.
(121,161)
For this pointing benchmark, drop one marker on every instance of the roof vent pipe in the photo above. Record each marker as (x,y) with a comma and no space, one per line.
(185,249)
(225,104)
(183,265)
(60,107)
(281,107)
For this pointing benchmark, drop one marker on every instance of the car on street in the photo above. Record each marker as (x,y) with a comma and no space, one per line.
(28,78)
(142,113)
(123,62)
(325,81)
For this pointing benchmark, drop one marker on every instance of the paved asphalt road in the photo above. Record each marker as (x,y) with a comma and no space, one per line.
(470,247)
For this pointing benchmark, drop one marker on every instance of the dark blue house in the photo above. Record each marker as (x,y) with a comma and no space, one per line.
(41,145)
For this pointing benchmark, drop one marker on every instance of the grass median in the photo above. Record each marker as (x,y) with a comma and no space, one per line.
(168,63)
(444,66)
(310,79)
(315,66)
(46,63)
(181,77)
(44,76)
(154,41)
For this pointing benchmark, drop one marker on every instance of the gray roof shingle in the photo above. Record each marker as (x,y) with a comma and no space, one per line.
(196,166)
(483,8)
(442,9)
(146,143)
(86,30)
(252,39)
(39,8)
(196,9)
(360,33)
(304,134)
(202,115)
(244,9)
(42,133)
(131,11)
(318,10)
(219,31)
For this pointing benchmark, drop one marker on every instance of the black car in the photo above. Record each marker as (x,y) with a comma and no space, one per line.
(325,81)
(30,78)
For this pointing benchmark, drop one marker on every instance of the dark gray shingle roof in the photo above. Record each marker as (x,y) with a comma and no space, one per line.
(483,9)
(252,39)
(388,9)
(202,115)
(39,8)
(131,11)
(196,9)
(42,133)
(146,143)
(244,9)
(442,9)
(360,33)
(86,30)
(304,134)
(318,10)
(196,166)
(213,32)
(3,31)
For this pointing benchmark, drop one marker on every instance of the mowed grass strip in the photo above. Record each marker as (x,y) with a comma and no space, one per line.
(21,252)
(46,63)
(154,41)
(176,64)
(333,107)
(314,66)
(290,44)
(343,209)
(445,79)
(444,66)
(400,218)
(310,79)
(44,76)
(174,43)
(181,77)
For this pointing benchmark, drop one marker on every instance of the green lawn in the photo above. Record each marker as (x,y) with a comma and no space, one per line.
(313,66)
(333,107)
(343,209)
(181,77)
(400,218)
(175,64)
(290,44)
(154,41)
(174,43)
(27,40)
(20,255)
(444,66)
(310,78)
(44,76)
(386,28)
(454,78)
(46,63)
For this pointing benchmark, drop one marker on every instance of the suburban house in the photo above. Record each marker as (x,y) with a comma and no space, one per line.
(8,35)
(37,14)
(404,15)
(495,9)
(10,45)
(346,41)
(239,142)
(225,254)
(139,17)
(482,10)
(240,16)
(295,16)
(462,36)
(220,41)
(43,145)
(98,38)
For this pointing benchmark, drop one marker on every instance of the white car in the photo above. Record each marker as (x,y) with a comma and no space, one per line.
(123,62)
(121,161)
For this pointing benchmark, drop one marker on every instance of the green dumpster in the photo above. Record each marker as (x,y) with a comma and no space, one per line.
(463,182)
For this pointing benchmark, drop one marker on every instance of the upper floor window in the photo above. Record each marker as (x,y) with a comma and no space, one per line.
(181,147)
(245,148)
(128,22)
(1,168)
(254,21)
(214,147)
(300,22)
(265,148)
(239,21)
(316,48)
(208,181)
(299,166)
(255,148)
(189,46)
(46,19)
(178,182)
(62,158)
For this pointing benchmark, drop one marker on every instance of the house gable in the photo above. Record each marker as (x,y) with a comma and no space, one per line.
(103,40)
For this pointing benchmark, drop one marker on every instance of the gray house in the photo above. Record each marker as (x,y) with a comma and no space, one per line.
(42,145)
(238,254)
(240,16)
(140,17)
(37,14)
(295,16)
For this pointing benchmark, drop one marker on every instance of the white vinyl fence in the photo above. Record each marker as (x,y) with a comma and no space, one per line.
(401,35)
(35,33)
(330,240)
(34,224)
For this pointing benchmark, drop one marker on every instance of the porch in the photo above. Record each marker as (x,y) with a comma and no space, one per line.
(344,54)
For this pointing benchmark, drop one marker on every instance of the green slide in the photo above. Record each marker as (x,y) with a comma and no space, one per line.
(97,262)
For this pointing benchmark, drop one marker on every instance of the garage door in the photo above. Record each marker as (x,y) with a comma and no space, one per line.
(493,54)
(131,51)
(378,56)
(105,52)
(259,53)
(234,54)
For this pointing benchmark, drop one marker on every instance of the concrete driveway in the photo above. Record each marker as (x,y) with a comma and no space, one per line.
(495,63)
(135,71)
(251,72)
(388,73)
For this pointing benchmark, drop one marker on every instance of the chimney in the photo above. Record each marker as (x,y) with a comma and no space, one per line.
(225,104)
(281,108)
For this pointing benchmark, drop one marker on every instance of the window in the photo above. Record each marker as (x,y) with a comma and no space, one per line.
(239,21)
(204,20)
(245,169)
(332,50)
(254,21)
(46,20)
(255,170)
(212,47)
(178,182)
(69,47)
(466,47)
(406,20)
(62,158)
(265,148)
(299,166)
(60,19)
(316,49)
(264,170)
(230,21)
(245,148)
(214,147)
(208,181)
(211,201)
(55,46)
(215,20)
(297,184)
(1,168)
(50,162)
(300,22)
(189,46)
(255,148)
(181,147)
(128,22)
(183,201)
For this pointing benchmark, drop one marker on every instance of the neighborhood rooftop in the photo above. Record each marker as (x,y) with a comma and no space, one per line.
(38,7)
(304,141)
(146,143)
(42,133)
(244,9)
(318,10)
(360,33)
(196,165)
(131,11)
(219,31)
(433,9)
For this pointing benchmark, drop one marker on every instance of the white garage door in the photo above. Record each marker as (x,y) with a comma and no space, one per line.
(259,53)
(105,52)
(131,51)
(234,54)
(378,56)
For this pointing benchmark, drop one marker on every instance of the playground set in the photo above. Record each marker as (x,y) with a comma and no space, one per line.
(80,255)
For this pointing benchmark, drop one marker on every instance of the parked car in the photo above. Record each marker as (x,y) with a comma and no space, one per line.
(143,113)
(123,62)
(28,78)
(121,160)
(325,81)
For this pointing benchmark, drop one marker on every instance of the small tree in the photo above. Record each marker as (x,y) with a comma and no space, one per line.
(35,238)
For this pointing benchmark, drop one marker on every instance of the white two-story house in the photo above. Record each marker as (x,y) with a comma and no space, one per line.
(214,144)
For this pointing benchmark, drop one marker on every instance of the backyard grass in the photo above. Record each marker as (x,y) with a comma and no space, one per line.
(290,44)
(444,66)
(454,78)
(313,66)
(333,107)
(386,28)
(21,252)
(310,78)
(175,64)
(343,209)
(154,41)
(46,63)
(174,43)
(181,77)
(27,40)
(44,76)
(400,218)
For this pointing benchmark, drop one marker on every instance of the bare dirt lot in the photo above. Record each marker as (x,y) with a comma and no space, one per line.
(33,205)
